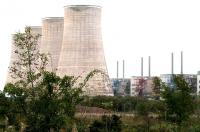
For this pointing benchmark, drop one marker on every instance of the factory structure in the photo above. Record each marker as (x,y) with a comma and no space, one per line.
(74,46)
(143,85)
(121,86)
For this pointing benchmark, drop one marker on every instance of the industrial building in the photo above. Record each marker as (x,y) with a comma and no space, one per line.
(121,86)
(191,79)
(141,86)
(74,44)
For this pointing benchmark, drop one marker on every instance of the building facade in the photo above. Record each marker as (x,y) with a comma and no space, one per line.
(141,86)
(121,86)
(191,79)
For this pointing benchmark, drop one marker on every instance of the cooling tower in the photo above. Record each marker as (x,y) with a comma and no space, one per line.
(37,30)
(82,48)
(52,35)
(14,57)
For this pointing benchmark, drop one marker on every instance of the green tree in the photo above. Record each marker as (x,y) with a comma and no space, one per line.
(127,88)
(30,62)
(157,85)
(143,108)
(55,106)
(179,103)
(26,71)
(4,110)
(39,99)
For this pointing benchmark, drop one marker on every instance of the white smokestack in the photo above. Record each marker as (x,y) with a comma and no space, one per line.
(149,66)
(181,62)
(123,68)
(142,66)
(172,55)
(117,69)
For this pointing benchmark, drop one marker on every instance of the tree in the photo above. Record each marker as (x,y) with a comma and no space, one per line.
(157,85)
(179,103)
(4,110)
(40,99)
(26,71)
(143,108)
(127,88)
(30,62)
(55,106)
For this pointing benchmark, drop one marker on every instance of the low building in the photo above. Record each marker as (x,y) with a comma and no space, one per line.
(141,86)
(121,86)
(167,79)
(191,79)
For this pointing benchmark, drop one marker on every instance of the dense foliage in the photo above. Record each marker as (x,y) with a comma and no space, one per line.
(178,100)
(157,87)
(38,100)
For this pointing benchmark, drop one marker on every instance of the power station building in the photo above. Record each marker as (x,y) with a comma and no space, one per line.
(74,44)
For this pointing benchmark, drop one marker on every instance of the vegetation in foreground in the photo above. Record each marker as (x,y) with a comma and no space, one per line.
(42,101)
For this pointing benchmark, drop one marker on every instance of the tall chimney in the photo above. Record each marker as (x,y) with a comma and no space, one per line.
(142,66)
(123,68)
(117,69)
(181,62)
(172,55)
(149,66)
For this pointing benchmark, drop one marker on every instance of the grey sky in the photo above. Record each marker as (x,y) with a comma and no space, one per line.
(131,29)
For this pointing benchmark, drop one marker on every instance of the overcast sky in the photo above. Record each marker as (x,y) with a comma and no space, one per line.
(131,29)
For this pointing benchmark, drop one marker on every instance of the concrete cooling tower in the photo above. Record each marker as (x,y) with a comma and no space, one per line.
(14,57)
(82,47)
(52,35)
